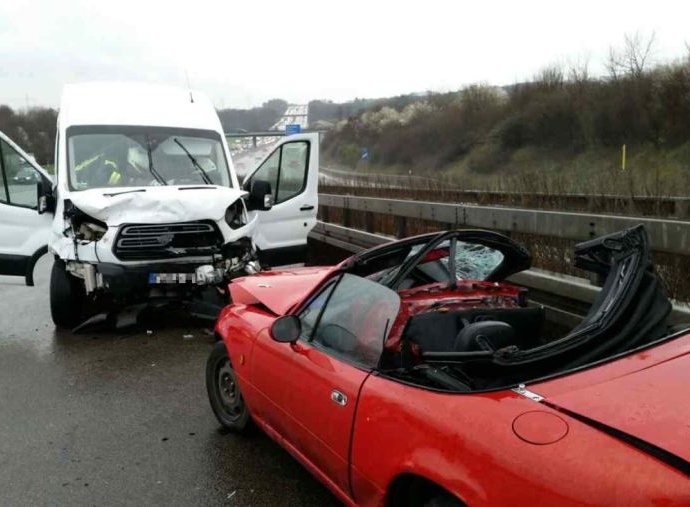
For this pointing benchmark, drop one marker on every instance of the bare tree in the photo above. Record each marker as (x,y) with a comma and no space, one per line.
(550,76)
(633,59)
(578,68)
(613,64)
(638,53)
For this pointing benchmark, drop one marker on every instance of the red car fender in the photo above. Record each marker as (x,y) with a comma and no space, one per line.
(467,444)
(238,326)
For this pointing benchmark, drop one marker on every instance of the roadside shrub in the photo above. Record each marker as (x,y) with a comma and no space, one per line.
(562,112)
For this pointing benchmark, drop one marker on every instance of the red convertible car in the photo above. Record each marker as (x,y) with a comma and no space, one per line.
(412,375)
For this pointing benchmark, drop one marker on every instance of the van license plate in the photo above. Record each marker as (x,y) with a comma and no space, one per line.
(167,278)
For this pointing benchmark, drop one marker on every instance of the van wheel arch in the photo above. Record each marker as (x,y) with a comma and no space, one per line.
(410,490)
(29,275)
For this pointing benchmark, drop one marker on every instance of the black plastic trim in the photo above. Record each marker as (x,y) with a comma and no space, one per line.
(283,256)
(13,265)
(29,275)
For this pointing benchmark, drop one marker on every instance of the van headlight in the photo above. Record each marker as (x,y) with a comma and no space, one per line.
(234,215)
(89,231)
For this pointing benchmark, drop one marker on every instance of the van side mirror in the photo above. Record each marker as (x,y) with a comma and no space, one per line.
(286,329)
(260,196)
(45,198)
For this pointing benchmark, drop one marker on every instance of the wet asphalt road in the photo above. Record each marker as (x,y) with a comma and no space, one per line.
(112,418)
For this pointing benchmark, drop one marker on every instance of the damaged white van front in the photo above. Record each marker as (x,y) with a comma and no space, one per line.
(147,205)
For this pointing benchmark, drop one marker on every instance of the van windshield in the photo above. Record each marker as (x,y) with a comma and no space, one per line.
(124,156)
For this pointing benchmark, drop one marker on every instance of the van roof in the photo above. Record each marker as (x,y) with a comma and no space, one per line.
(123,103)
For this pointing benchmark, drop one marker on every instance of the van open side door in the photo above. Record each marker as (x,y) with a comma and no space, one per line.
(283,192)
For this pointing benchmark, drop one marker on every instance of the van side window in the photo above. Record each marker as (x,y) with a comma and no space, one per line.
(19,178)
(268,171)
(285,170)
(3,180)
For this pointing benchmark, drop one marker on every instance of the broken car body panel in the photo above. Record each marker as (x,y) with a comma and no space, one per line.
(279,291)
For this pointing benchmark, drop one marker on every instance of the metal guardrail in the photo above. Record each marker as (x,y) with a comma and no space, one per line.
(424,189)
(671,236)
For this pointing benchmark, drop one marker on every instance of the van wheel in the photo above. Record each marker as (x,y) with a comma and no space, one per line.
(224,391)
(67,297)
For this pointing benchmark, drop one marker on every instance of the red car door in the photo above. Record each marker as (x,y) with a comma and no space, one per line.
(343,331)
(322,396)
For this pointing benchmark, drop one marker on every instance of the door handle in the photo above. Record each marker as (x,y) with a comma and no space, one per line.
(307,207)
(338,398)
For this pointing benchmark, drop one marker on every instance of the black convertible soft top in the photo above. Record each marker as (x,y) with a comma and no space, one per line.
(630,310)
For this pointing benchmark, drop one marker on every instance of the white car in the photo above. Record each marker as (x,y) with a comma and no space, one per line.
(146,203)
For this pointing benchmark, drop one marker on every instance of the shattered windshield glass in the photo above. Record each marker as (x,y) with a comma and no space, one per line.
(475,262)
(472,261)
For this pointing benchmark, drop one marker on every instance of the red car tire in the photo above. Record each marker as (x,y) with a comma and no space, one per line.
(224,391)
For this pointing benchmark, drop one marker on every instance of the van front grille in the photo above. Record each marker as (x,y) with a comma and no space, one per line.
(165,241)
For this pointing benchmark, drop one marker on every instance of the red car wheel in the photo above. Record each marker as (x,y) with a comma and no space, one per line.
(224,391)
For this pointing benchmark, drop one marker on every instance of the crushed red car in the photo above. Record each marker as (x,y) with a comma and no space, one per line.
(413,374)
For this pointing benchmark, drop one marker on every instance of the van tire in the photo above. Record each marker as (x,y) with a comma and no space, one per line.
(67,297)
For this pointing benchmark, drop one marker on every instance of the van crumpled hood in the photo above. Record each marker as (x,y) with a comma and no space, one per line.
(155,205)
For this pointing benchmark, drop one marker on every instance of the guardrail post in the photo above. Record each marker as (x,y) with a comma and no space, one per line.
(368,221)
(325,213)
(680,208)
(346,217)
(400,227)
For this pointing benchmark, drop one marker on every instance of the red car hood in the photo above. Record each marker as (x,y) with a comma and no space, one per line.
(278,290)
(644,396)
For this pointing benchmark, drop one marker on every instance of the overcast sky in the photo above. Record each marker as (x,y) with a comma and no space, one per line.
(242,53)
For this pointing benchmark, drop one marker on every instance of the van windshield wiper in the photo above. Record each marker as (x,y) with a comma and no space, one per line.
(113,194)
(204,176)
(153,172)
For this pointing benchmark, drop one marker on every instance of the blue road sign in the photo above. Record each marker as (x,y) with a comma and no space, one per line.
(293,128)
(364,153)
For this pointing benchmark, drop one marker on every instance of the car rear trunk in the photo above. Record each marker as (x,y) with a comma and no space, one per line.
(641,399)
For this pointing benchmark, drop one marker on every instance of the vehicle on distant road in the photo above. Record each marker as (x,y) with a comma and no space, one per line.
(26,176)
(412,374)
(146,205)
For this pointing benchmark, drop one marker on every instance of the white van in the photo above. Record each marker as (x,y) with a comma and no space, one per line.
(145,203)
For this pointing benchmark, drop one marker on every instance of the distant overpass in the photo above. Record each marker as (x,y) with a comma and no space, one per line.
(295,114)
(255,136)
(265,133)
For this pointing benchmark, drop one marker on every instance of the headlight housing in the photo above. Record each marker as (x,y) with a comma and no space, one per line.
(90,231)
(234,215)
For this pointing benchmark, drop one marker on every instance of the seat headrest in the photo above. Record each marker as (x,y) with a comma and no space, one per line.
(488,335)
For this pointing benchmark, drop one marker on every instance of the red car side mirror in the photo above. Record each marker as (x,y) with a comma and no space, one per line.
(286,329)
